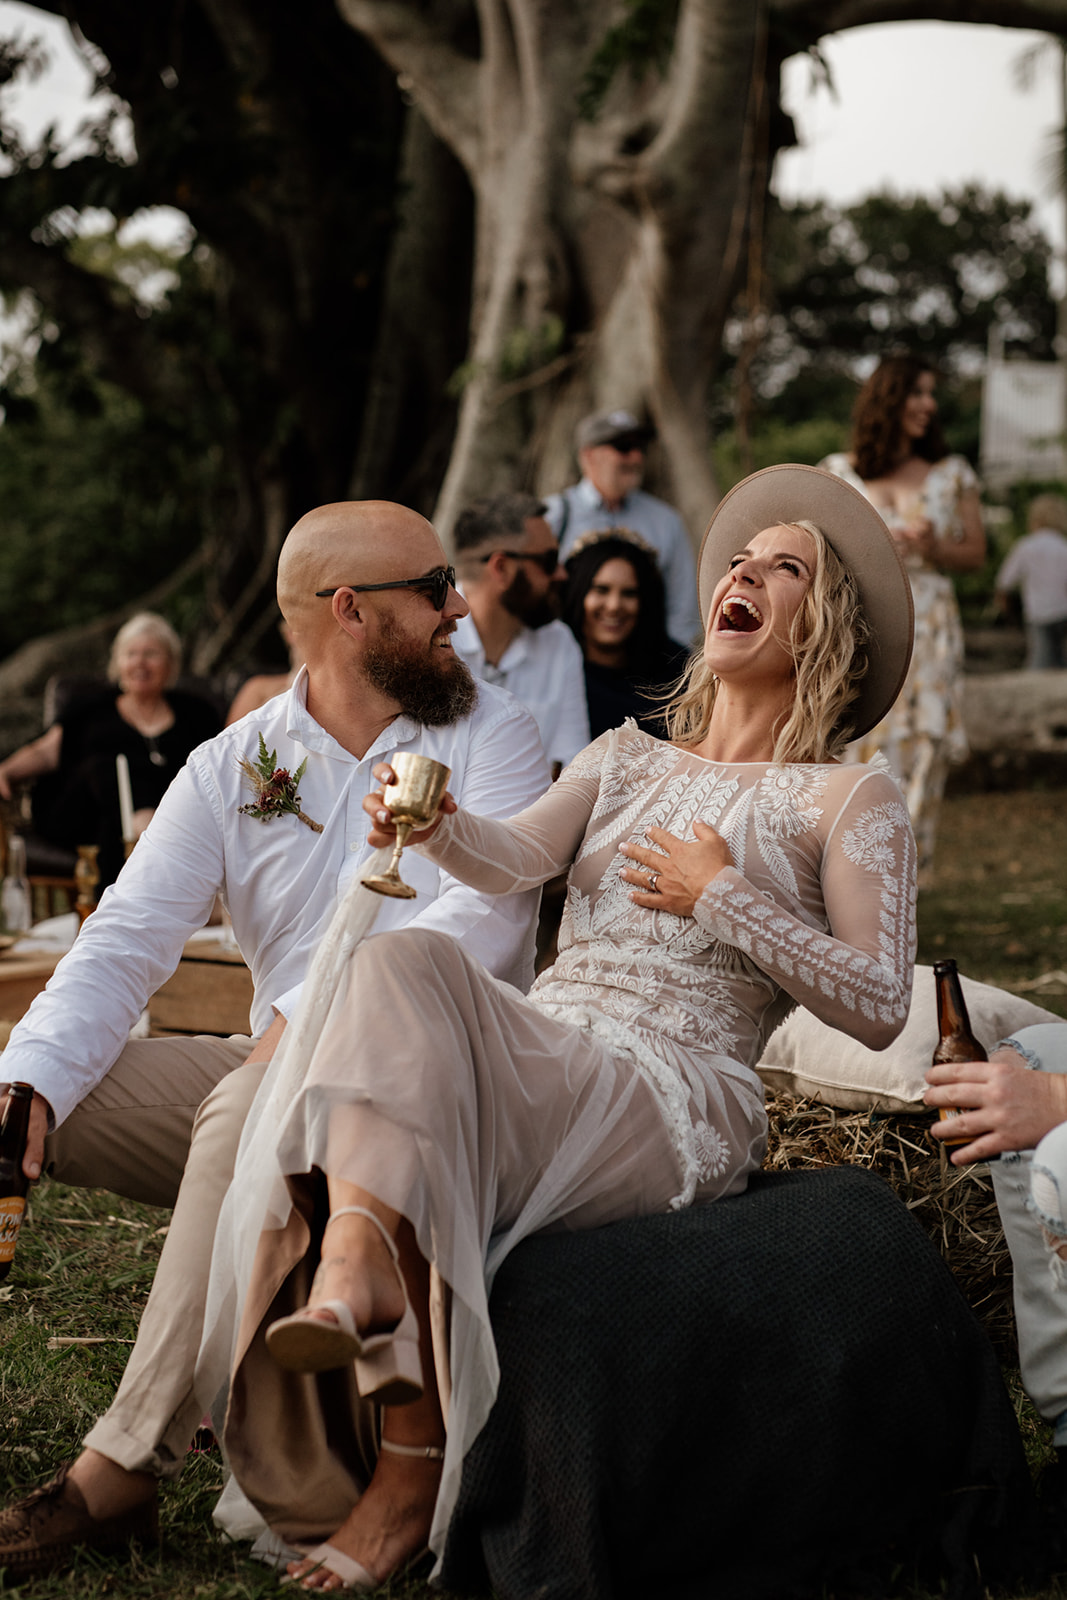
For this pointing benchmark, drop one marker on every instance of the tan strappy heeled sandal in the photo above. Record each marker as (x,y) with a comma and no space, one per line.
(388,1368)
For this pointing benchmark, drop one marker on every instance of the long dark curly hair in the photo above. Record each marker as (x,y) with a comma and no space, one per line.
(649,642)
(876,418)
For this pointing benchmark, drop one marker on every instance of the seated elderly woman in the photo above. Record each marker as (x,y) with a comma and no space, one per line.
(141,717)
(437,1117)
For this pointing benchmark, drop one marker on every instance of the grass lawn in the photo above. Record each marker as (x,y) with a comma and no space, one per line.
(86,1260)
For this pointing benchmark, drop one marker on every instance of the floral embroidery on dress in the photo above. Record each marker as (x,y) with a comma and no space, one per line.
(789,793)
(693,999)
(712,1150)
(869,985)
(869,843)
(781,807)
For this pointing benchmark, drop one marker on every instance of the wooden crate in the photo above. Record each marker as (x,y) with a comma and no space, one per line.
(21,979)
(209,992)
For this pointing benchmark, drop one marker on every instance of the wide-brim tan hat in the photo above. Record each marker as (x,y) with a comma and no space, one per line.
(858,535)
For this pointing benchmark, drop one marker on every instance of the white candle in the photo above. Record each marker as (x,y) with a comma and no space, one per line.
(122,772)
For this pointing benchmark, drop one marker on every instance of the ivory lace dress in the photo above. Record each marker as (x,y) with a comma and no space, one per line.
(923,734)
(622,1085)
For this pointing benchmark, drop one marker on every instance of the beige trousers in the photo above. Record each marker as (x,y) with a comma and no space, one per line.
(165,1106)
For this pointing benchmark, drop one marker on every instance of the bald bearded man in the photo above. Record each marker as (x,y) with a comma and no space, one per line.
(365,588)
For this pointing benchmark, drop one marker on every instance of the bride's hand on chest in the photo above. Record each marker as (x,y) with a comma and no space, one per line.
(671,874)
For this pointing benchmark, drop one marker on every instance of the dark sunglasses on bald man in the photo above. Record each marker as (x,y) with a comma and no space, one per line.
(436,584)
(547,560)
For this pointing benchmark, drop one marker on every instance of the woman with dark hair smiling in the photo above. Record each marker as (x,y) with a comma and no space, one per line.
(614,605)
(929,500)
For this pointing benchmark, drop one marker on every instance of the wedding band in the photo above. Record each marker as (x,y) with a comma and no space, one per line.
(653,880)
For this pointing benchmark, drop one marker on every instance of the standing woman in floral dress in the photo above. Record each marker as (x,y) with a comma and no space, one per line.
(929,500)
(716,879)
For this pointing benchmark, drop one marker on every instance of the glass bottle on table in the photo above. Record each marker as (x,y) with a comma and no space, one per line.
(16,907)
(14,1127)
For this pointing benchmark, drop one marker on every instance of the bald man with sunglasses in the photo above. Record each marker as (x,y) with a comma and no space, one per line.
(372,604)
(511,578)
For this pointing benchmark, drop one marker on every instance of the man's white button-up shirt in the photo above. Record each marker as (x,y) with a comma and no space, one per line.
(543,668)
(279,879)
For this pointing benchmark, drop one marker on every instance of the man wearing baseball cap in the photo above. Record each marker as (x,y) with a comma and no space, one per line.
(610,446)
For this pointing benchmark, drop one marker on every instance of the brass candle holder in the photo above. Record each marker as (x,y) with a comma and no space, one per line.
(86,876)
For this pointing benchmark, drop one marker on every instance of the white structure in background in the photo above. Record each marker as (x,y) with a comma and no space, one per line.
(1023,419)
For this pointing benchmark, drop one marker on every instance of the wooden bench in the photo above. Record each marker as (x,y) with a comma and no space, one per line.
(210,991)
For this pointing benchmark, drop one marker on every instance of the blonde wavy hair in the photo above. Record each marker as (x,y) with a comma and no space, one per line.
(828,641)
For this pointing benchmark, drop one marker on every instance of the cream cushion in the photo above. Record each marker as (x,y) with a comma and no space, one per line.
(806,1057)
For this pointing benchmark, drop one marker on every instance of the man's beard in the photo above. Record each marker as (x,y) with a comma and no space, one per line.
(532,610)
(430,685)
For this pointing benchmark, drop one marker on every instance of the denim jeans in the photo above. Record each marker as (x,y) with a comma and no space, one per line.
(1046,644)
(1040,1275)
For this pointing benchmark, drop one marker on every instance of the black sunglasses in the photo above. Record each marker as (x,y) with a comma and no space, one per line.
(436,585)
(625,445)
(547,560)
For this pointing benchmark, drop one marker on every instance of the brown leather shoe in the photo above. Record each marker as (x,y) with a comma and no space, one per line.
(41,1532)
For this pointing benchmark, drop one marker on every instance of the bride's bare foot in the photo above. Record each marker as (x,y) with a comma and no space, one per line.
(388,1527)
(356,1267)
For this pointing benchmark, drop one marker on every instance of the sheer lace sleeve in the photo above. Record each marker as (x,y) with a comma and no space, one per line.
(856,977)
(524,852)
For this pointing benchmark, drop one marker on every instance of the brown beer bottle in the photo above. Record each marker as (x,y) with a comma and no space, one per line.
(13,1182)
(955,1042)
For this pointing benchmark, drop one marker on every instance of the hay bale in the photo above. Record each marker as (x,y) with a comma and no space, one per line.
(955,1205)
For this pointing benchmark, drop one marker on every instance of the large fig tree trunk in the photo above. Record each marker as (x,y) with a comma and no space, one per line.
(607,252)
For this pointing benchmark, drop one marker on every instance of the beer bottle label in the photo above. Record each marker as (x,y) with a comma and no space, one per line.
(11,1210)
(943,1113)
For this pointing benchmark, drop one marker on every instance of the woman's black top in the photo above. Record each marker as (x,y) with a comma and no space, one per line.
(79,803)
(612,694)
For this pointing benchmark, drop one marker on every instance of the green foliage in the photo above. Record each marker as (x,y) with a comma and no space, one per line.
(197,396)
(999,905)
(641,42)
(148,272)
(934,275)
(526,350)
(100,497)
(806,441)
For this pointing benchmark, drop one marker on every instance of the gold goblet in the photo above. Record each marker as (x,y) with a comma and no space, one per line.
(414,800)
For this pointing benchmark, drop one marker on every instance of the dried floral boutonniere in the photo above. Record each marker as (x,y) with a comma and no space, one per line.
(275,788)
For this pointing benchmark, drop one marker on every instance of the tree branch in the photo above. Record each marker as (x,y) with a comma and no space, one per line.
(30,667)
(711,64)
(114,336)
(816,18)
(445,83)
